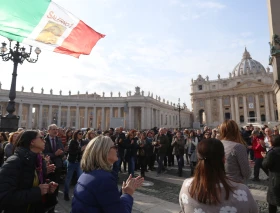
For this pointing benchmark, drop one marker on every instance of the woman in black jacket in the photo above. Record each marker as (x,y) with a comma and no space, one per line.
(74,157)
(271,162)
(23,187)
(131,151)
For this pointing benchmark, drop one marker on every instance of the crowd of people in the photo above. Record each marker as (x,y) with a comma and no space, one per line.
(35,163)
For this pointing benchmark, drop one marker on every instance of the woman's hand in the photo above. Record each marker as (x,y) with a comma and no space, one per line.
(129,186)
(44,188)
(52,187)
(50,168)
(137,182)
(263,154)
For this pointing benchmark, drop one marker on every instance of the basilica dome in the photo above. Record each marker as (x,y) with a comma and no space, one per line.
(248,66)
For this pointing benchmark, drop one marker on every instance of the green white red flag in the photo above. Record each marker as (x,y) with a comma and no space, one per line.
(44,24)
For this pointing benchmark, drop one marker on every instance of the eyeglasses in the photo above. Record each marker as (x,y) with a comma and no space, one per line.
(42,137)
(80,133)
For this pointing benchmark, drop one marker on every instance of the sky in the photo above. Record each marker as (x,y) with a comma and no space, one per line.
(158,45)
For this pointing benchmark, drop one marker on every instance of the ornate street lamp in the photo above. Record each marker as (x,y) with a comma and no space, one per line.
(179,108)
(18,55)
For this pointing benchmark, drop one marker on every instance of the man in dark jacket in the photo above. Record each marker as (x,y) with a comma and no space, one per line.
(161,143)
(54,149)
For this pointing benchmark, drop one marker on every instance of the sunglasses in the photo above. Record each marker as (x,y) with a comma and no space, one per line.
(80,133)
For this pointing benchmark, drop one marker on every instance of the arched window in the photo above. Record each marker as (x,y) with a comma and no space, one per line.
(263,118)
(241,119)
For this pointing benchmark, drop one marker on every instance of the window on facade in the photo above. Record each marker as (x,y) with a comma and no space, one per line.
(261,99)
(224,84)
(259,80)
(238,82)
(226,101)
(250,99)
(240,100)
(199,87)
(213,86)
(263,117)
(241,119)
(201,103)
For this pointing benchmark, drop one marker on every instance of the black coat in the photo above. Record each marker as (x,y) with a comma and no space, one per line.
(271,162)
(56,160)
(74,152)
(16,184)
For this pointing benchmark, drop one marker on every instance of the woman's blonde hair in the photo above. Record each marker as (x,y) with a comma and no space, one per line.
(229,131)
(96,153)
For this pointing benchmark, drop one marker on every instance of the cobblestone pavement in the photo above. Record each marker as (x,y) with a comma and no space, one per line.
(170,191)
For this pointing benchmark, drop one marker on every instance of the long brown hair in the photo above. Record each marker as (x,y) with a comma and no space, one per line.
(210,173)
(229,131)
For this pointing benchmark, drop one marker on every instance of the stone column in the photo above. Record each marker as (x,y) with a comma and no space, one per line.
(143,118)
(86,117)
(129,118)
(267,114)
(232,108)
(274,28)
(258,108)
(59,116)
(111,116)
(77,122)
(209,112)
(68,117)
(237,118)
(119,112)
(20,114)
(50,115)
(245,109)
(102,119)
(30,116)
(271,106)
(221,114)
(94,118)
(40,116)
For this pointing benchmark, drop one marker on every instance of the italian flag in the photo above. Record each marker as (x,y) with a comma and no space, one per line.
(44,24)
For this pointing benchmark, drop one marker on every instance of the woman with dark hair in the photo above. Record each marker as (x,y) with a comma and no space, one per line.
(131,151)
(74,157)
(271,162)
(23,187)
(210,190)
(237,163)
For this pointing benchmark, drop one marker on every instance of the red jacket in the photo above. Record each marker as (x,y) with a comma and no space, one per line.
(257,147)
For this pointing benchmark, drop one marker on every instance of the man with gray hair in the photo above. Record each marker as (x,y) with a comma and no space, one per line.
(54,149)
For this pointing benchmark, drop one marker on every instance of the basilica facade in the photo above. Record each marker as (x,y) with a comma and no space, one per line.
(246,96)
(134,111)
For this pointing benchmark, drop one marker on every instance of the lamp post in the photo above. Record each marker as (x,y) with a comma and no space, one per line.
(179,108)
(17,55)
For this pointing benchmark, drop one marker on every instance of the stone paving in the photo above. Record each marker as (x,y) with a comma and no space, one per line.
(166,188)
